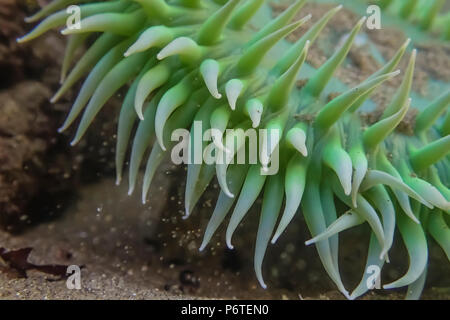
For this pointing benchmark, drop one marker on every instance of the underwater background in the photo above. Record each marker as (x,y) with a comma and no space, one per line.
(62,201)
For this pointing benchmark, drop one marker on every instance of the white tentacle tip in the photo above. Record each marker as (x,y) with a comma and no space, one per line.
(407,42)
(254,109)
(228,194)
(275,238)
(388,286)
(362,20)
(396,72)
(347,295)
(179,46)
(210,70)
(261,281)
(229,245)
(233,90)
(216,95)
(54,99)
(161,144)
(347,189)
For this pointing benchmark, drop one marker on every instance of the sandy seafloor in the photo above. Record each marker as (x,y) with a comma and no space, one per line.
(103,232)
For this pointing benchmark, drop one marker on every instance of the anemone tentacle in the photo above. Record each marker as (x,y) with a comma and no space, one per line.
(202,62)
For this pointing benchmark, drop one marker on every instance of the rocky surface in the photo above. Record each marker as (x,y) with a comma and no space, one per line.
(39,171)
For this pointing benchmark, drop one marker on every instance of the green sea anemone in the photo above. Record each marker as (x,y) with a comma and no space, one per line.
(204,61)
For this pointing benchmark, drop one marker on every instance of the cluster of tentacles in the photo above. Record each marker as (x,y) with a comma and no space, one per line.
(199,60)
(425,13)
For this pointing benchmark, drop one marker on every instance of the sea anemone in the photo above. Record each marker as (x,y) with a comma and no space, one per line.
(200,61)
(423,13)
